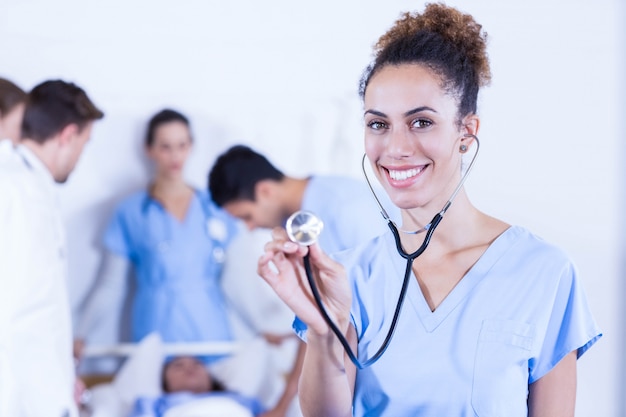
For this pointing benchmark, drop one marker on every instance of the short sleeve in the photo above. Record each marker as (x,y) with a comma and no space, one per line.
(299,328)
(570,325)
(117,236)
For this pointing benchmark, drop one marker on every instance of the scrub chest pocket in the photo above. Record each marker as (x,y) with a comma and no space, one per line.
(500,384)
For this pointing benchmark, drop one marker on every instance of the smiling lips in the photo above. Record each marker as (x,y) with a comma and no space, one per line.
(401,175)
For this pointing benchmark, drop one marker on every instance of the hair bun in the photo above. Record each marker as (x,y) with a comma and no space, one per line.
(460,29)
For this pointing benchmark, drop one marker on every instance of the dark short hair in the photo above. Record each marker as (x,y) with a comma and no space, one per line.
(10,96)
(236,172)
(162,117)
(53,105)
(216,385)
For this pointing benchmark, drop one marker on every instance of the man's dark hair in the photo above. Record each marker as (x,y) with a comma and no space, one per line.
(236,173)
(53,105)
(10,96)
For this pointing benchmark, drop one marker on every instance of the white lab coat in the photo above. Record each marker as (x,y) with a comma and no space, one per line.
(36,366)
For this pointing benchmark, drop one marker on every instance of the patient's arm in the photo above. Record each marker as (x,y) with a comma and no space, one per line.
(291,387)
(105,297)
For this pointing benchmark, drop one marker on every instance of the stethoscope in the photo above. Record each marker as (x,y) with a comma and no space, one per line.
(304,227)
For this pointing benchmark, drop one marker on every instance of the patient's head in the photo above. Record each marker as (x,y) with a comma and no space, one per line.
(186,373)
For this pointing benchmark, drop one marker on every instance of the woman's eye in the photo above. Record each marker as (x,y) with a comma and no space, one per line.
(421,123)
(376,125)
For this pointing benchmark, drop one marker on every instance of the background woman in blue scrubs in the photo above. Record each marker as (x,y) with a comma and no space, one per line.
(175,238)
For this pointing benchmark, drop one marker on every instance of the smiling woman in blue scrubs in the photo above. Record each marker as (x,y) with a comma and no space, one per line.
(175,238)
(495,318)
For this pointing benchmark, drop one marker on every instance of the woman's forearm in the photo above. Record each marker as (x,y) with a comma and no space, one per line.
(327,380)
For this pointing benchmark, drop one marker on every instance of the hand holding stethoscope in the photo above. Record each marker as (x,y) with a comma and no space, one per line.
(303,228)
(282,267)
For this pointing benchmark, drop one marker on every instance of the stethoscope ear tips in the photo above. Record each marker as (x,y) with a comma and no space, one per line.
(304,227)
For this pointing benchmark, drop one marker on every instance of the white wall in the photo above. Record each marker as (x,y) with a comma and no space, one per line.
(281,75)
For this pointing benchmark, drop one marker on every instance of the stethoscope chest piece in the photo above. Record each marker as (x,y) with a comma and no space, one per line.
(304,227)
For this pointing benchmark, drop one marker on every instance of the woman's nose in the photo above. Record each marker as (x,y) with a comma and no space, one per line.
(399,143)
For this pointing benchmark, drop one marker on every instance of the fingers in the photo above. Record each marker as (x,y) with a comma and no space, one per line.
(264,268)
(323,262)
(279,237)
(277,252)
(282,267)
(280,254)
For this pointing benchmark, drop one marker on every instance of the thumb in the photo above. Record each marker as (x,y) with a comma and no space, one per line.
(321,259)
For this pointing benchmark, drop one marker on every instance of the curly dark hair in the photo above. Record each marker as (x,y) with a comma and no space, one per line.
(452,44)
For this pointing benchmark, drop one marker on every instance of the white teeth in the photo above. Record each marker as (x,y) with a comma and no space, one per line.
(402,175)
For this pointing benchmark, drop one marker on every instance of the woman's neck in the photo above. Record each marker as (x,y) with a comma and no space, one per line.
(462,226)
(167,188)
(458,217)
(174,195)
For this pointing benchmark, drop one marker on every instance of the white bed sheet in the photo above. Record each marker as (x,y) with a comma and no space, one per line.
(246,371)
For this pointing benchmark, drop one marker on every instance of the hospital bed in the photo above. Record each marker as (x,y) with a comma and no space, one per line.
(245,370)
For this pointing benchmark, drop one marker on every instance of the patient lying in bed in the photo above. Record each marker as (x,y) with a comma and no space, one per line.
(143,387)
(190,390)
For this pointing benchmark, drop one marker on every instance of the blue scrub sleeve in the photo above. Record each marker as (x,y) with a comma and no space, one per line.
(299,328)
(117,235)
(570,327)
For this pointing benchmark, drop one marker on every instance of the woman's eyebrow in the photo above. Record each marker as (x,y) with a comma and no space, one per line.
(406,114)
(375,113)
(418,110)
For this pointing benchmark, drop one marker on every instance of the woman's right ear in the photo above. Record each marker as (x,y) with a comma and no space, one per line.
(471,124)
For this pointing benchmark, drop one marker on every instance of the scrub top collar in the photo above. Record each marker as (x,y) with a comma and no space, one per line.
(149,200)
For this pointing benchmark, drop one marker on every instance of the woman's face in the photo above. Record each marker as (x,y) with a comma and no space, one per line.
(412,137)
(170,148)
(187,374)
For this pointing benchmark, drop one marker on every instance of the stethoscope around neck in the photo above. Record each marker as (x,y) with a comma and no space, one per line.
(304,227)
(214,230)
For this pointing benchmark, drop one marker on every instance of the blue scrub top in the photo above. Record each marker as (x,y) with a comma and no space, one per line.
(178,265)
(515,314)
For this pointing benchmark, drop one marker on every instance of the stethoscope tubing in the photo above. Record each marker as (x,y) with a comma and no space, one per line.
(410,257)
(405,285)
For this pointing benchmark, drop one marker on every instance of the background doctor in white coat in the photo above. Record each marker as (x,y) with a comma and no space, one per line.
(36,367)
